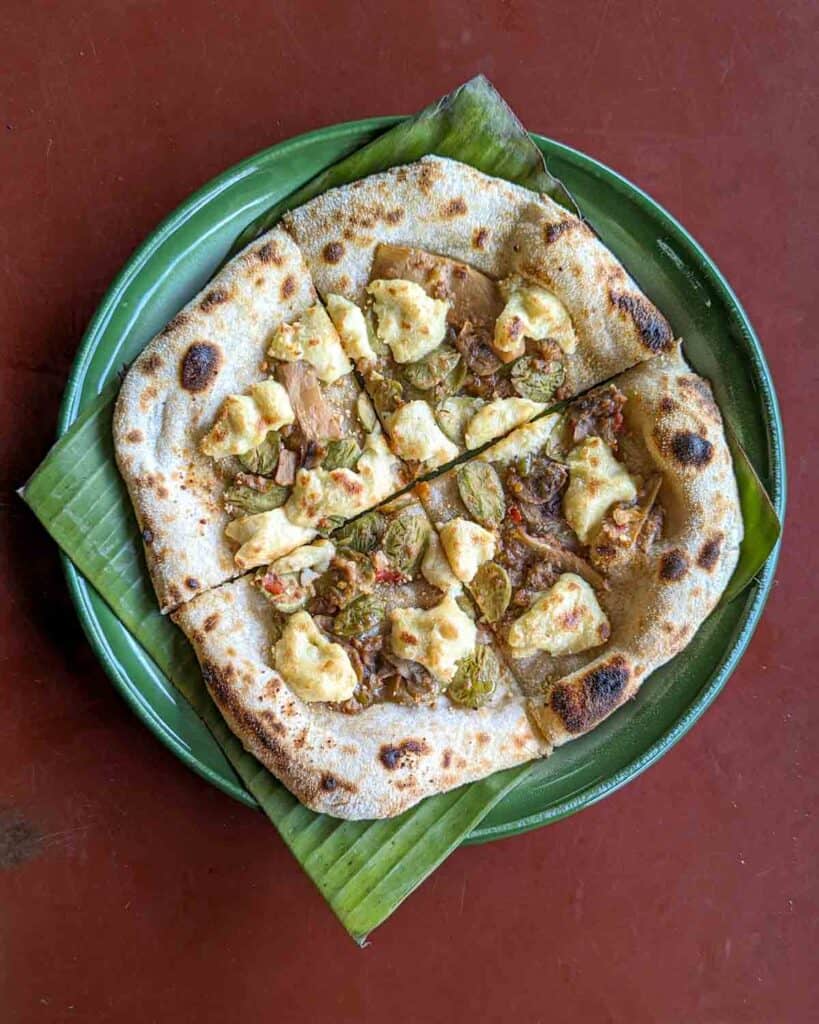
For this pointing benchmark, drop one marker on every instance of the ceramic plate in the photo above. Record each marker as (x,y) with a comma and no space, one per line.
(180,256)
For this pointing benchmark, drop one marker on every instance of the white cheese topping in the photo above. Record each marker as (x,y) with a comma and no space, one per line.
(415,435)
(243,421)
(497,418)
(365,412)
(565,619)
(526,440)
(596,481)
(313,338)
(467,547)
(265,537)
(436,569)
(409,321)
(318,493)
(312,556)
(351,326)
(437,638)
(532,312)
(312,666)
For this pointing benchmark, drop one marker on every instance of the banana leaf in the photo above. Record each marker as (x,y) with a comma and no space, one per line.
(472,124)
(363,869)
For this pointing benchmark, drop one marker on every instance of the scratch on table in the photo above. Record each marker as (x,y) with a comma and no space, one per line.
(463,897)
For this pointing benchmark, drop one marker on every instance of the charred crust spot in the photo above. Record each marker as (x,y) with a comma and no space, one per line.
(701,390)
(581,705)
(175,324)
(192,583)
(552,232)
(175,594)
(667,404)
(332,252)
(394,216)
(215,297)
(652,326)
(268,253)
(480,236)
(691,449)
(151,364)
(455,208)
(402,755)
(673,566)
(709,553)
(328,782)
(426,178)
(162,492)
(148,535)
(288,287)
(211,622)
(200,366)
(446,759)
(134,436)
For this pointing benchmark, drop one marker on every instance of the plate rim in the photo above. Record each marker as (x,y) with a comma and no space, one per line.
(69,410)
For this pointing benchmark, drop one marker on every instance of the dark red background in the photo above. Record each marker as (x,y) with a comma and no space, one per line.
(132,891)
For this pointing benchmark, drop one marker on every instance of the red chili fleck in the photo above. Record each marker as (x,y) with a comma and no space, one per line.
(273,584)
(515,514)
(388,576)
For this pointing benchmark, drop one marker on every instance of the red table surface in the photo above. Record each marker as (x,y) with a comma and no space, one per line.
(130,890)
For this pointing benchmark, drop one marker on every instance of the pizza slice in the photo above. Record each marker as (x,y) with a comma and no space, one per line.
(474,303)
(242,431)
(596,540)
(355,670)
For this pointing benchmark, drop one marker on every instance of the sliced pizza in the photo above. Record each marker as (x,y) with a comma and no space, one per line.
(474,303)
(355,670)
(242,431)
(596,540)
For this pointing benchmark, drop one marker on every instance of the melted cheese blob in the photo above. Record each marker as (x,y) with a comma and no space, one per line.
(312,556)
(497,418)
(416,436)
(265,537)
(526,440)
(244,421)
(596,481)
(409,321)
(313,338)
(312,666)
(436,569)
(565,619)
(437,638)
(349,321)
(319,493)
(532,312)
(467,547)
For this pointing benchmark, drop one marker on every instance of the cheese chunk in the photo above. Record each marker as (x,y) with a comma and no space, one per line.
(565,619)
(596,481)
(243,421)
(467,547)
(313,338)
(319,493)
(526,440)
(312,556)
(312,666)
(416,436)
(497,418)
(437,638)
(366,413)
(532,312)
(265,537)
(409,321)
(436,569)
(349,321)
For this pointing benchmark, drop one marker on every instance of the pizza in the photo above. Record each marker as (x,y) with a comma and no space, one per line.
(428,484)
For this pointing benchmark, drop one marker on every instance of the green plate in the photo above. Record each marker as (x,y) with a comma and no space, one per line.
(180,256)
